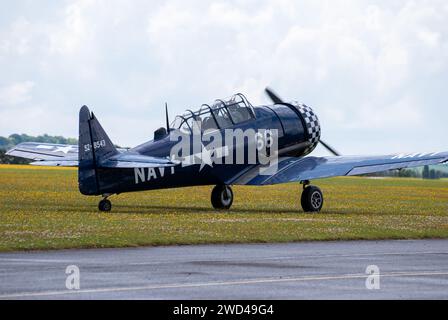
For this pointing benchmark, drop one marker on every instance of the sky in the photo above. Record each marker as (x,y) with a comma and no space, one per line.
(375,72)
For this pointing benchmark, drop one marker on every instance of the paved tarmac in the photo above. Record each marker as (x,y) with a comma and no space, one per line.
(307,270)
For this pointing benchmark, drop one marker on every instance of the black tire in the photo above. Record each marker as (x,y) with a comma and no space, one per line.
(105,205)
(222,197)
(312,199)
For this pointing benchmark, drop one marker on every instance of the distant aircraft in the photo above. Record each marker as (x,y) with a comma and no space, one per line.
(106,170)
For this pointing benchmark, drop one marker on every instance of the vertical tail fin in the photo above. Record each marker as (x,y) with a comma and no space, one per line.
(94,147)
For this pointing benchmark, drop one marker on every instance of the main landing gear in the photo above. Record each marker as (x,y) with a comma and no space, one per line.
(312,198)
(222,197)
(105,205)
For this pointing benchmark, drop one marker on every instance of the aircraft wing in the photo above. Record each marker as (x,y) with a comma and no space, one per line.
(309,168)
(47,154)
(62,155)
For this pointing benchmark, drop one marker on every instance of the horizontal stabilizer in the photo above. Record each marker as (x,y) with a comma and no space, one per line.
(129,160)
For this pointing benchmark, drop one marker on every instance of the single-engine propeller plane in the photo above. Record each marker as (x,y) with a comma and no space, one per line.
(105,170)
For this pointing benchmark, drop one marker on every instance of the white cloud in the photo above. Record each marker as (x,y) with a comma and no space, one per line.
(16,93)
(68,38)
(373,69)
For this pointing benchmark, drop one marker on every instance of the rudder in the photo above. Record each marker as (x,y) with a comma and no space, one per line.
(94,147)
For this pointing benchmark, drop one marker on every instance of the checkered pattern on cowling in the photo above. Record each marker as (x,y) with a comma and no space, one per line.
(312,126)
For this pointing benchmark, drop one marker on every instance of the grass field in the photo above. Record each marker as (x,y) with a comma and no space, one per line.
(41,208)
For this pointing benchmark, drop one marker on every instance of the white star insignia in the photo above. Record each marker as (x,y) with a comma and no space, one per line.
(66,149)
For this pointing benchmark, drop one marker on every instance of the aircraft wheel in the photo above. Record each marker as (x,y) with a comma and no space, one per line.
(222,197)
(312,199)
(105,205)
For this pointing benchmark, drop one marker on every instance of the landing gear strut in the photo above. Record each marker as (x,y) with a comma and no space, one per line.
(105,205)
(312,198)
(222,197)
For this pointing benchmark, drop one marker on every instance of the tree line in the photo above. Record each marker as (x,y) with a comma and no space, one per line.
(427,173)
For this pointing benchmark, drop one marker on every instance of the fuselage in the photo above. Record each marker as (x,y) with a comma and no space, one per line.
(298,134)
(294,139)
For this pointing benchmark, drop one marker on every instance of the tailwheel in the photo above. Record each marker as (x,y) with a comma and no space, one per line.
(312,199)
(222,197)
(105,205)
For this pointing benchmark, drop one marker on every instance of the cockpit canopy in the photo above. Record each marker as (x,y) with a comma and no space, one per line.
(220,115)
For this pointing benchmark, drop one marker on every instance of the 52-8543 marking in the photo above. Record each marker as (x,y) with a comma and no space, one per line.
(96,145)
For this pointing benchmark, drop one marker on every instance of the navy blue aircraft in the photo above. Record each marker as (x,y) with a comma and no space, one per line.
(104,170)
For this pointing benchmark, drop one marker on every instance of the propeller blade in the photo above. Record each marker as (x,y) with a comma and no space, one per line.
(167,120)
(334,152)
(273,96)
